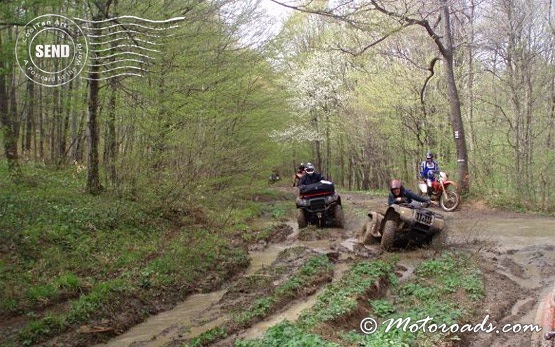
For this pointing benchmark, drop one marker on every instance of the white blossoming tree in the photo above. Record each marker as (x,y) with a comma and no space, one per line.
(317,85)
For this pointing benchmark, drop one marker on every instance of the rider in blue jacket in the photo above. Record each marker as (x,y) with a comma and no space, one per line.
(428,169)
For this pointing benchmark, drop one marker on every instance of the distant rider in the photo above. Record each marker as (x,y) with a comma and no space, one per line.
(311,176)
(398,194)
(428,169)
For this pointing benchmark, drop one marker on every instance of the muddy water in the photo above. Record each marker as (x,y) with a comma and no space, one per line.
(198,314)
(201,312)
(509,232)
(180,321)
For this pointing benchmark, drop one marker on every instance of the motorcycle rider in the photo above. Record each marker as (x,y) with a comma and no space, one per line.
(398,193)
(428,169)
(311,175)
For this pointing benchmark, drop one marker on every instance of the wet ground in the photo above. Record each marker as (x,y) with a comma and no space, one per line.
(516,253)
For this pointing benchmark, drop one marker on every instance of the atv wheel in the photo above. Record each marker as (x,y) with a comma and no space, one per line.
(301,218)
(449,200)
(366,237)
(388,234)
(339,216)
(439,240)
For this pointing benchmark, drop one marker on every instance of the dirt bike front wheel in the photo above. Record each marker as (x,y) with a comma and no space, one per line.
(449,200)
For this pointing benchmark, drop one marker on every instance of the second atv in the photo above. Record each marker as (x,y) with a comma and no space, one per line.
(319,204)
(403,225)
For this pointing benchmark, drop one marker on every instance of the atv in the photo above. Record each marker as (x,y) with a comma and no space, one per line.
(319,204)
(403,224)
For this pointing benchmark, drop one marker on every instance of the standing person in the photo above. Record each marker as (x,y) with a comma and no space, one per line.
(398,193)
(311,176)
(428,169)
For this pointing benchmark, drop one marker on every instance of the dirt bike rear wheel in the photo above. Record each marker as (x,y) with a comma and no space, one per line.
(449,200)
(388,234)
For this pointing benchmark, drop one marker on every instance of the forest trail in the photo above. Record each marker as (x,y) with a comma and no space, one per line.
(516,253)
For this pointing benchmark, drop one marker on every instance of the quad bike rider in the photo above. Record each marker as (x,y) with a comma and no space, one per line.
(318,203)
(405,222)
(274,177)
(298,175)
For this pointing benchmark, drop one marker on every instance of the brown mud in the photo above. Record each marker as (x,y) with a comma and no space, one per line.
(515,252)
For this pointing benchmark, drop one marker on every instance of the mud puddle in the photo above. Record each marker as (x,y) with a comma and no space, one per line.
(517,253)
(290,313)
(202,312)
(198,314)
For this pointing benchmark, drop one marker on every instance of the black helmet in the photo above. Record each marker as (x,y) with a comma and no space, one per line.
(429,155)
(301,167)
(309,168)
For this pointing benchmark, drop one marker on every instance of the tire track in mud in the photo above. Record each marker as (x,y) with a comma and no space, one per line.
(515,253)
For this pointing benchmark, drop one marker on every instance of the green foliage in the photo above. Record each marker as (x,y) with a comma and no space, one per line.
(444,289)
(286,334)
(453,271)
(382,308)
(207,337)
(341,298)
(89,254)
(48,326)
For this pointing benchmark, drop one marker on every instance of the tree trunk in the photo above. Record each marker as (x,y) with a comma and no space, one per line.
(29,119)
(111,141)
(455,105)
(93,177)
(9,126)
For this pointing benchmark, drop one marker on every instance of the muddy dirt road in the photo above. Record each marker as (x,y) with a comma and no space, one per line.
(516,252)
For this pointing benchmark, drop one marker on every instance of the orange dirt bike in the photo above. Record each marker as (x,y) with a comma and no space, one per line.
(443,191)
(545,318)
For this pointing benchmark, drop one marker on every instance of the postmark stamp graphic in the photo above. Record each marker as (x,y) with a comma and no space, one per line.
(51,50)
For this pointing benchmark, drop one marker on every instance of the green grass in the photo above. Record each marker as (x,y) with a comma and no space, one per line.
(341,298)
(287,334)
(67,257)
(446,288)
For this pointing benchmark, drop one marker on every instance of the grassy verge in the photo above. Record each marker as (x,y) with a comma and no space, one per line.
(446,289)
(69,259)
